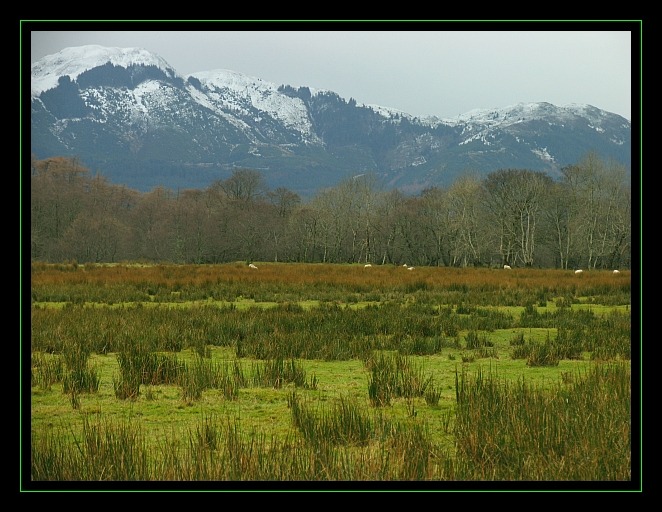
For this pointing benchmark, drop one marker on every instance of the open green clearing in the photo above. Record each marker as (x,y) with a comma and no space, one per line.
(328,372)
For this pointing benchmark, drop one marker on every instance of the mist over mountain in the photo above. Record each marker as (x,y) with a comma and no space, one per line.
(127,114)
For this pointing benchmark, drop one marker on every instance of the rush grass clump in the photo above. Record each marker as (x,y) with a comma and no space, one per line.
(46,370)
(515,431)
(279,372)
(346,423)
(105,450)
(139,365)
(394,376)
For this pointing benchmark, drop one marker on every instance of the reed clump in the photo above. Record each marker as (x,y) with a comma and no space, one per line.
(515,431)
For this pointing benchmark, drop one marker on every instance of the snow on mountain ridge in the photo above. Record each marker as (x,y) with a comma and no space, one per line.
(230,93)
(75,60)
(520,112)
(387,112)
(228,88)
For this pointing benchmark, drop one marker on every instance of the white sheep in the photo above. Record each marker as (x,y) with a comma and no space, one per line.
(405,265)
(616,271)
(367,265)
(578,271)
(410,268)
(252,266)
(507,267)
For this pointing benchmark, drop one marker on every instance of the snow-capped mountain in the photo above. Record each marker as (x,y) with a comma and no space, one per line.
(126,113)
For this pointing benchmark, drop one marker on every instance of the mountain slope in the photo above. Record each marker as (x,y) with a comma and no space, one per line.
(126,113)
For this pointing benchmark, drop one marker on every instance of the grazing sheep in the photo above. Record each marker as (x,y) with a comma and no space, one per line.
(410,268)
(578,271)
(405,265)
(616,271)
(252,266)
(367,265)
(507,267)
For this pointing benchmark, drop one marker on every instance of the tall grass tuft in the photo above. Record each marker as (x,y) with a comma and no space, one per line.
(78,377)
(474,341)
(432,394)
(543,354)
(380,380)
(345,424)
(539,354)
(46,370)
(277,373)
(203,374)
(138,365)
(413,451)
(513,431)
(105,451)
(394,375)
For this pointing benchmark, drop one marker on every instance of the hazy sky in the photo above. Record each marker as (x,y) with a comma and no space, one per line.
(421,71)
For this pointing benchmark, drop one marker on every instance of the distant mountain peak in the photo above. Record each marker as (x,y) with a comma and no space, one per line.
(126,113)
(74,61)
(530,111)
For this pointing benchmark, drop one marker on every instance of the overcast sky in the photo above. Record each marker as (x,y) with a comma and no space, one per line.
(444,72)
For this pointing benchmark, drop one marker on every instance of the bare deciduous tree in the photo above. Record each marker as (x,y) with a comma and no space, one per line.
(244,185)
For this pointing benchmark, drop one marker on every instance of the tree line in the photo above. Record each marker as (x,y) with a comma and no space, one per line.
(517,217)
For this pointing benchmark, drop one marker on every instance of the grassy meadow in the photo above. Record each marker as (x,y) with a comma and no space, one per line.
(293,373)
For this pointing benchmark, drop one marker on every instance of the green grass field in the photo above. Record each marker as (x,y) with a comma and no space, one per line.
(295,373)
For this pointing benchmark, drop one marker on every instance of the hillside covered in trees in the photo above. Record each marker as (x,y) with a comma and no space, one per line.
(512,216)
